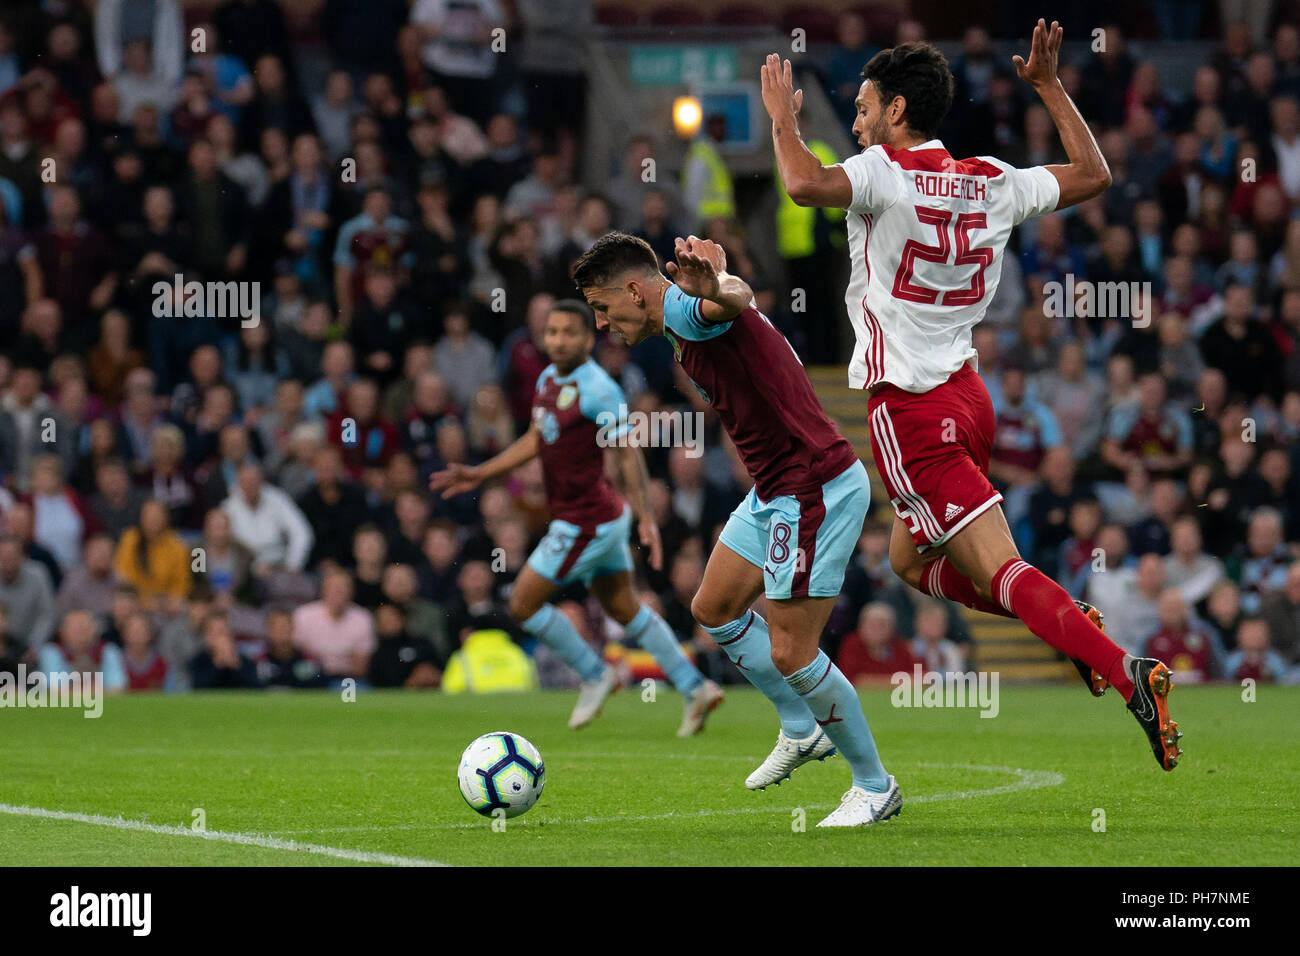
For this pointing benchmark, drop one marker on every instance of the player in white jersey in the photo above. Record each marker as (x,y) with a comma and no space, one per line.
(926,235)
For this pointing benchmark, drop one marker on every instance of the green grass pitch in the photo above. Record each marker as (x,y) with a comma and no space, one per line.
(377,776)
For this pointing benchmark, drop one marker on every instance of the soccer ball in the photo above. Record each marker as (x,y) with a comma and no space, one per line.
(501,771)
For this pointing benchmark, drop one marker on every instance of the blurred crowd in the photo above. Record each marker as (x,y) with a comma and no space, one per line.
(197,500)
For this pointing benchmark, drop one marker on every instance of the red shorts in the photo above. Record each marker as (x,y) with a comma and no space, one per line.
(932,452)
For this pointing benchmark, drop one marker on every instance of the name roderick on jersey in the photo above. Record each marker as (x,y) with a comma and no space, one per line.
(925,238)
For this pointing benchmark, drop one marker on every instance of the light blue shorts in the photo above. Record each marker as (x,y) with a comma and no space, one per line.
(565,555)
(803,543)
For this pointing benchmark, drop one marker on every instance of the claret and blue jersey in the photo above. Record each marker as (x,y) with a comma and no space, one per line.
(577,415)
(801,521)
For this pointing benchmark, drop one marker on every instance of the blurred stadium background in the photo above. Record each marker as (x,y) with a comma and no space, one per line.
(404,187)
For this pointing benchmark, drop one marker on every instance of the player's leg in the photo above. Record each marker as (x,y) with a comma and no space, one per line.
(808,557)
(547,567)
(985,552)
(933,574)
(733,580)
(796,626)
(701,696)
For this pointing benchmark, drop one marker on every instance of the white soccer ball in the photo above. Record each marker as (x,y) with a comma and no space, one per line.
(501,771)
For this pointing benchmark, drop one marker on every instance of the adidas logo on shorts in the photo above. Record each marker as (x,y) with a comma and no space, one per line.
(952,511)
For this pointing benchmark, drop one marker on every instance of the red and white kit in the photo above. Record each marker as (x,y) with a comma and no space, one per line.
(926,234)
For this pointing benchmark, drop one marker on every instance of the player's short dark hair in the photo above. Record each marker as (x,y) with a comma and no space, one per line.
(611,256)
(919,73)
(579,308)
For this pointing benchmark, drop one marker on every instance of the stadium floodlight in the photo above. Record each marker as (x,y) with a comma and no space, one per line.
(687,116)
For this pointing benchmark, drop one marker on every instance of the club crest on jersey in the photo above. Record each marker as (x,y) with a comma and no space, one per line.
(677,346)
(567,394)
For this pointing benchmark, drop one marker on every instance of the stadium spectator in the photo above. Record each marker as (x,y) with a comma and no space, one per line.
(27,595)
(335,631)
(1265,560)
(401,659)
(79,648)
(267,522)
(1281,611)
(145,668)
(1254,659)
(61,519)
(1024,433)
(284,664)
(875,651)
(219,664)
(1189,650)
(153,559)
(89,585)
(116,502)
(931,645)
(1187,567)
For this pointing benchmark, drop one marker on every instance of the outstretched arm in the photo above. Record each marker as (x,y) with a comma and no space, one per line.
(808,182)
(459,478)
(701,271)
(1087,174)
(635,481)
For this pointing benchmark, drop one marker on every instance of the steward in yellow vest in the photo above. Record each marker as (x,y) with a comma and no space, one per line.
(489,662)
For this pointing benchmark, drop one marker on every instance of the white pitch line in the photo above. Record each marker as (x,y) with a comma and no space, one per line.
(1025,780)
(219,836)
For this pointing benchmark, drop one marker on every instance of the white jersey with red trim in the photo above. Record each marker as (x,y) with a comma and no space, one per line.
(926,234)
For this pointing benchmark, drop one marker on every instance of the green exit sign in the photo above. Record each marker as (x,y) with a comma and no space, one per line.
(659,65)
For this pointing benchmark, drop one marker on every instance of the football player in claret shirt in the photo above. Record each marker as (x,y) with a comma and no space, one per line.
(578,410)
(793,534)
(925,236)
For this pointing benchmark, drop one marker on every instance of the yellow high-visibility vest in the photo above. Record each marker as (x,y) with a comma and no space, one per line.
(487,663)
(795,224)
(719,198)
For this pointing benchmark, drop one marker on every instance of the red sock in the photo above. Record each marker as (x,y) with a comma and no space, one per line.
(1050,613)
(940,579)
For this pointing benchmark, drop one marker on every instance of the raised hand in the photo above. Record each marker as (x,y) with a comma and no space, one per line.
(696,270)
(782,100)
(1044,55)
(455,479)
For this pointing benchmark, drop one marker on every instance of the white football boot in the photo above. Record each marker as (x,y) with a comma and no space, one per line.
(787,755)
(591,697)
(696,707)
(858,808)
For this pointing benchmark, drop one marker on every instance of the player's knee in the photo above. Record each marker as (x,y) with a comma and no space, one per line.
(908,570)
(787,659)
(708,612)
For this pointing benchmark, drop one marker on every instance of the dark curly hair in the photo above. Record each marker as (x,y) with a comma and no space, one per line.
(918,72)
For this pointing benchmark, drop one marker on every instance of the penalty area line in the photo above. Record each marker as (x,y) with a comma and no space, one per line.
(217,836)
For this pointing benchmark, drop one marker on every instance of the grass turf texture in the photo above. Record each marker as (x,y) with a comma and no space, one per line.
(378,775)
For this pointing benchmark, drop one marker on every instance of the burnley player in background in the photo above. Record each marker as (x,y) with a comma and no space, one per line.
(926,234)
(591,522)
(793,534)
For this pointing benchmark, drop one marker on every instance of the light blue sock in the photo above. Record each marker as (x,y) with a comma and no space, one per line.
(749,646)
(827,691)
(553,629)
(653,633)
